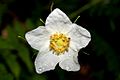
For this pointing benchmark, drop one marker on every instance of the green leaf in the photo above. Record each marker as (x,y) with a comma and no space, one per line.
(38,77)
(7,77)
(23,52)
(4,75)
(2,69)
(5,45)
(11,61)
(12,37)
(19,28)
(25,56)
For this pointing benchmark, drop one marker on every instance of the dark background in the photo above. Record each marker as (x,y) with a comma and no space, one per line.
(99,60)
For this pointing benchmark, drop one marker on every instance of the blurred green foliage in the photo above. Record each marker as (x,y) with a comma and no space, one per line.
(100,17)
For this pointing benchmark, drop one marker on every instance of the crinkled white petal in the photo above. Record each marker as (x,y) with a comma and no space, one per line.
(69,61)
(74,46)
(38,38)
(67,54)
(58,21)
(80,37)
(69,65)
(45,62)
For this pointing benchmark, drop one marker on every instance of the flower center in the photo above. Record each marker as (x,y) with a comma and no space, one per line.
(59,43)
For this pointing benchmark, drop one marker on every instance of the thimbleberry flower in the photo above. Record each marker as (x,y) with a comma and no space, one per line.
(58,42)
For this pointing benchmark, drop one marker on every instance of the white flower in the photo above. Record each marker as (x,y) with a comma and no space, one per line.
(58,42)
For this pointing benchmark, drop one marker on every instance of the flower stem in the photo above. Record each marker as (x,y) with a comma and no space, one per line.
(85,7)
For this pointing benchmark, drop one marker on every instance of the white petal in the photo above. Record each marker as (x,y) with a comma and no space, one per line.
(80,37)
(38,38)
(68,54)
(70,63)
(74,46)
(58,21)
(45,62)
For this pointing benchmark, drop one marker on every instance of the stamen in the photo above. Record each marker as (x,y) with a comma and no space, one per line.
(59,43)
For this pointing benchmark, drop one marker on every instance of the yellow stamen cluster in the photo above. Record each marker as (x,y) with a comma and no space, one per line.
(59,43)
